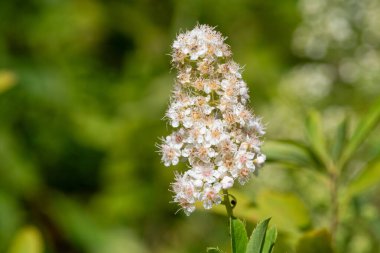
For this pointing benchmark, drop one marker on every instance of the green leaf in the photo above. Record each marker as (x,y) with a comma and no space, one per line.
(290,153)
(256,242)
(213,250)
(316,241)
(366,125)
(316,138)
(27,240)
(270,240)
(293,216)
(369,177)
(238,235)
(340,139)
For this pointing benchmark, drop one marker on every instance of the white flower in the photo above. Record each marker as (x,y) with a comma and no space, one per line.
(212,85)
(186,193)
(204,173)
(260,159)
(244,174)
(204,153)
(244,159)
(225,163)
(227,182)
(216,134)
(255,124)
(197,133)
(211,196)
(170,151)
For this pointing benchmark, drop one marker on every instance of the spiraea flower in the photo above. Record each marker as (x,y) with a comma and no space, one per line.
(215,132)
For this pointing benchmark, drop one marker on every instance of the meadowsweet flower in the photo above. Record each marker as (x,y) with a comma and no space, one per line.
(216,133)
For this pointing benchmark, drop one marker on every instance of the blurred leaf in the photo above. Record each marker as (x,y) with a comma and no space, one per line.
(316,241)
(214,250)
(369,177)
(7,80)
(27,240)
(270,240)
(294,214)
(117,240)
(256,242)
(80,227)
(340,139)
(76,223)
(361,133)
(11,216)
(290,153)
(316,137)
(238,236)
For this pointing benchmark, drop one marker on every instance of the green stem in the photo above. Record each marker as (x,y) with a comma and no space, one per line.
(227,203)
(229,207)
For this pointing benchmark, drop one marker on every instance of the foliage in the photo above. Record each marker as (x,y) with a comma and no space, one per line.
(82,88)
(262,240)
(334,164)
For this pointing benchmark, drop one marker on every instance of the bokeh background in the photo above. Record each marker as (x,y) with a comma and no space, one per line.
(84,85)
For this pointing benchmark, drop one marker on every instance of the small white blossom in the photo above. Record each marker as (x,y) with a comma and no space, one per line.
(227,182)
(216,134)
(170,151)
(211,196)
(244,158)
(260,159)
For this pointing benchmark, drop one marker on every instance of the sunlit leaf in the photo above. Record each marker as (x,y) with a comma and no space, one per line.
(214,250)
(366,125)
(256,241)
(27,240)
(369,177)
(293,215)
(316,241)
(270,239)
(316,137)
(238,235)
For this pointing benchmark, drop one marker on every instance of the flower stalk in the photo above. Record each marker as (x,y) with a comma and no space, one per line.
(227,203)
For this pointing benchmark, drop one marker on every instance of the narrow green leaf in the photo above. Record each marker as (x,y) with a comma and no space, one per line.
(340,139)
(290,153)
(316,241)
(270,240)
(366,125)
(214,250)
(369,177)
(316,137)
(256,242)
(238,235)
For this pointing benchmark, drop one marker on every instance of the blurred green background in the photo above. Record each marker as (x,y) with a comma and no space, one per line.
(84,85)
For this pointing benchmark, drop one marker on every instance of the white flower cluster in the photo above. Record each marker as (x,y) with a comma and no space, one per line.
(216,133)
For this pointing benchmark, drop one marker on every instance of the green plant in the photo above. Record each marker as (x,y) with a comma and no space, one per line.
(334,158)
